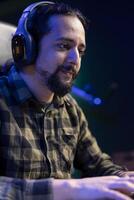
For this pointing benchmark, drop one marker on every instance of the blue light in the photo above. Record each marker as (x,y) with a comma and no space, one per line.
(91,99)
(97,101)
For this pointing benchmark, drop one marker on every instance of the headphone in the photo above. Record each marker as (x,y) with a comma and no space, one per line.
(23,44)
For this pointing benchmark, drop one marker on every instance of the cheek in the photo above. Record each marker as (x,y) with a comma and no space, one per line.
(50,59)
(47,63)
(55,59)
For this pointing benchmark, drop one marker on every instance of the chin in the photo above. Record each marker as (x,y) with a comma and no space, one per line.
(62,89)
(59,85)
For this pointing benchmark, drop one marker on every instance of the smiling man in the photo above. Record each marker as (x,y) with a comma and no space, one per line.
(59,58)
(44,133)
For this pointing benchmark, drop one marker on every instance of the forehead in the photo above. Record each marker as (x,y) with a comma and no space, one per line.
(67,26)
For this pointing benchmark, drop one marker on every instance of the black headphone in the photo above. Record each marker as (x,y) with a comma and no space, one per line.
(23,44)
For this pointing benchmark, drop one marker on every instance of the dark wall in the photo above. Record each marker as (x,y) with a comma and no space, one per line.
(107,68)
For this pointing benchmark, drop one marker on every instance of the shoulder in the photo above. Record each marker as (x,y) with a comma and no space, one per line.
(72,104)
(4,73)
(70,100)
(3,83)
(4,91)
(75,112)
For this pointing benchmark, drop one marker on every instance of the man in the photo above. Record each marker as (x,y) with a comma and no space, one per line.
(44,133)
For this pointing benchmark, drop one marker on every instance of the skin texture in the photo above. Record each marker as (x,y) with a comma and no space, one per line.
(60,54)
(63,46)
(104,188)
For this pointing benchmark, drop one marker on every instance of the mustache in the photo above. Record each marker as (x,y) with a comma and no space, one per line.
(68,68)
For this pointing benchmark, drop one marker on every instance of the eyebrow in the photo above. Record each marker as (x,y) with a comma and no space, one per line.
(70,41)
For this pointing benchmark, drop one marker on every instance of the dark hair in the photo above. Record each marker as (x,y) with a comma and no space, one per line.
(37,23)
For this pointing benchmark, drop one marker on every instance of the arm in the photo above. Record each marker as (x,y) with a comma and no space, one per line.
(24,189)
(76,189)
(110,187)
(89,157)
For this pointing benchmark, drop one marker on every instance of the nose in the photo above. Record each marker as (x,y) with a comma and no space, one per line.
(74,57)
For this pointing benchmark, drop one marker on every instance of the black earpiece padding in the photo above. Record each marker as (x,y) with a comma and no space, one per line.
(23,43)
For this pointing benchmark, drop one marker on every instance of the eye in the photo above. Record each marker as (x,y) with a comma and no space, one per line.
(63,46)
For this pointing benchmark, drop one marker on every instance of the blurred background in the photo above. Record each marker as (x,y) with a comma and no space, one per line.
(104,88)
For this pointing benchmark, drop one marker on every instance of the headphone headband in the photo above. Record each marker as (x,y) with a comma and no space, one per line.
(31,7)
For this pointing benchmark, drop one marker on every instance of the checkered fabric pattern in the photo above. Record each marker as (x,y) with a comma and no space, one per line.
(19,189)
(43,141)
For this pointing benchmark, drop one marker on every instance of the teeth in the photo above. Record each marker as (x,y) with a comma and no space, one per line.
(66,72)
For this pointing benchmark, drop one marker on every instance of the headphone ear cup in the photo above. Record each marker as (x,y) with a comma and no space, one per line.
(23,50)
(23,44)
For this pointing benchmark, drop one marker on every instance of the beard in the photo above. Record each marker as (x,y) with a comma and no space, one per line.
(54,82)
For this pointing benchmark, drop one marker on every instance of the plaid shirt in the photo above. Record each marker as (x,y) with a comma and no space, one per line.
(19,189)
(45,141)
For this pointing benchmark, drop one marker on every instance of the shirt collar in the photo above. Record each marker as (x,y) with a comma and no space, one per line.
(21,91)
(19,88)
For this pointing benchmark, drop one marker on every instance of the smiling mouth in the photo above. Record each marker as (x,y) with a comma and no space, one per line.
(68,75)
(68,72)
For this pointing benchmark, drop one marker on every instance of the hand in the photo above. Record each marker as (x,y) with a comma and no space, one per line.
(108,187)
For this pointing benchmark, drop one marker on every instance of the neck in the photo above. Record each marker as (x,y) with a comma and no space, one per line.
(36,86)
